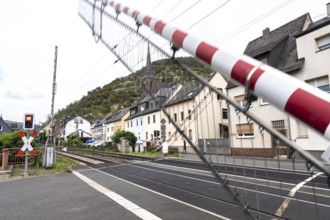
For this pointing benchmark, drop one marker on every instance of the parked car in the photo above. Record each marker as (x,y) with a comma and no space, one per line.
(97,144)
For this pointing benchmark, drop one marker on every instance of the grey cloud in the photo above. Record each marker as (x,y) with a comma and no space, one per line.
(23,95)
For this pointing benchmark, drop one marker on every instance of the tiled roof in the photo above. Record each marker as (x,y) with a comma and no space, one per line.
(187,91)
(117,115)
(281,41)
(315,25)
(279,47)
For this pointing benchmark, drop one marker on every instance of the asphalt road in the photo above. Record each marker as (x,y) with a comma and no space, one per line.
(165,189)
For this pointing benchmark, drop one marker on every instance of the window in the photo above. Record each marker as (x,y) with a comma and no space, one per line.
(132,123)
(81,121)
(175,118)
(148,119)
(245,130)
(151,136)
(137,122)
(169,136)
(323,42)
(219,96)
(278,124)
(321,83)
(154,118)
(189,114)
(151,105)
(128,124)
(141,121)
(190,134)
(302,130)
(182,116)
(0,128)
(108,129)
(146,135)
(241,100)
(224,114)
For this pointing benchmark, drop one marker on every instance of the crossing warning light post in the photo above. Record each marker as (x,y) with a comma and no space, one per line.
(28,124)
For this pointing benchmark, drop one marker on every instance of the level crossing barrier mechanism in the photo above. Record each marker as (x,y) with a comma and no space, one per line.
(257,79)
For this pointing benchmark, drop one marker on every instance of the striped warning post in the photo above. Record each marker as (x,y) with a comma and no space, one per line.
(287,93)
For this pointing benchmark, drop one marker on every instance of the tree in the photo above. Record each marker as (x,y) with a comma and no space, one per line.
(127,135)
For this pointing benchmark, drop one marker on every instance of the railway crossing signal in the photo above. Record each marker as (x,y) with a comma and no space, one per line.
(27,144)
(28,122)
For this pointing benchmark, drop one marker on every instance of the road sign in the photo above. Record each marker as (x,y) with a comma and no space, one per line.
(163,121)
(27,144)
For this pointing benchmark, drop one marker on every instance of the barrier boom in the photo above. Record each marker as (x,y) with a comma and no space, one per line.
(287,93)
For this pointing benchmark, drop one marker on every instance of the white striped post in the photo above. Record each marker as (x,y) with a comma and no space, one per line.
(287,93)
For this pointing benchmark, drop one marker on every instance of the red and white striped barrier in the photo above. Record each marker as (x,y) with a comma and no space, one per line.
(27,144)
(303,101)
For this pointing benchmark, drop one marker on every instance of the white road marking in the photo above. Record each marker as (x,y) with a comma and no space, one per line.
(293,191)
(237,178)
(163,195)
(132,207)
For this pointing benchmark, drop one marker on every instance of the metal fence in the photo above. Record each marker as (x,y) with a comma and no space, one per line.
(215,146)
(9,156)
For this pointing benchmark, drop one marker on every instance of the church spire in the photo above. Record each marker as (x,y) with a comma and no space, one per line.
(149,78)
(149,72)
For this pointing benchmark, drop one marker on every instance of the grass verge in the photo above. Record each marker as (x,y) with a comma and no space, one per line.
(62,165)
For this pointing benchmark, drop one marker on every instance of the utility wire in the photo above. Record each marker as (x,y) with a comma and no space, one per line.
(156,6)
(253,22)
(220,6)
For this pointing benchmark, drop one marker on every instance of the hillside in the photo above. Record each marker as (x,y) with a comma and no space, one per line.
(123,92)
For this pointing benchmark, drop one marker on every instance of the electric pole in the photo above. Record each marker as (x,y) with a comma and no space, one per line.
(49,156)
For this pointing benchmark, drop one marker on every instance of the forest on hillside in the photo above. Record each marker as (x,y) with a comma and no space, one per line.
(125,91)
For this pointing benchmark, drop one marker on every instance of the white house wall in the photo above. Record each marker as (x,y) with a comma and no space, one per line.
(206,115)
(152,126)
(266,112)
(138,130)
(316,65)
(174,138)
(82,124)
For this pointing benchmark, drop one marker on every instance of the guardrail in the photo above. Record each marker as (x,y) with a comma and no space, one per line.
(9,156)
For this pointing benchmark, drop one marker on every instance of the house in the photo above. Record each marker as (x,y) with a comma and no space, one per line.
(145,117)
(99,128)
(199,113)
(4,128)
(14,126)
(313,46)
(75,126)
(116,123)
(94,127)
(288,49)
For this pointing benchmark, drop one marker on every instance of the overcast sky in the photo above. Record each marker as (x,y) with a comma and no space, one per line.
(30,29)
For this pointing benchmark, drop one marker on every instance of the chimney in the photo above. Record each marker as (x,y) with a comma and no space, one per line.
(265,32)
(328,9)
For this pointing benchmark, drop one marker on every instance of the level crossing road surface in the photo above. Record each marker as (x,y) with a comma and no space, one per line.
(64,196)
(164,189)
